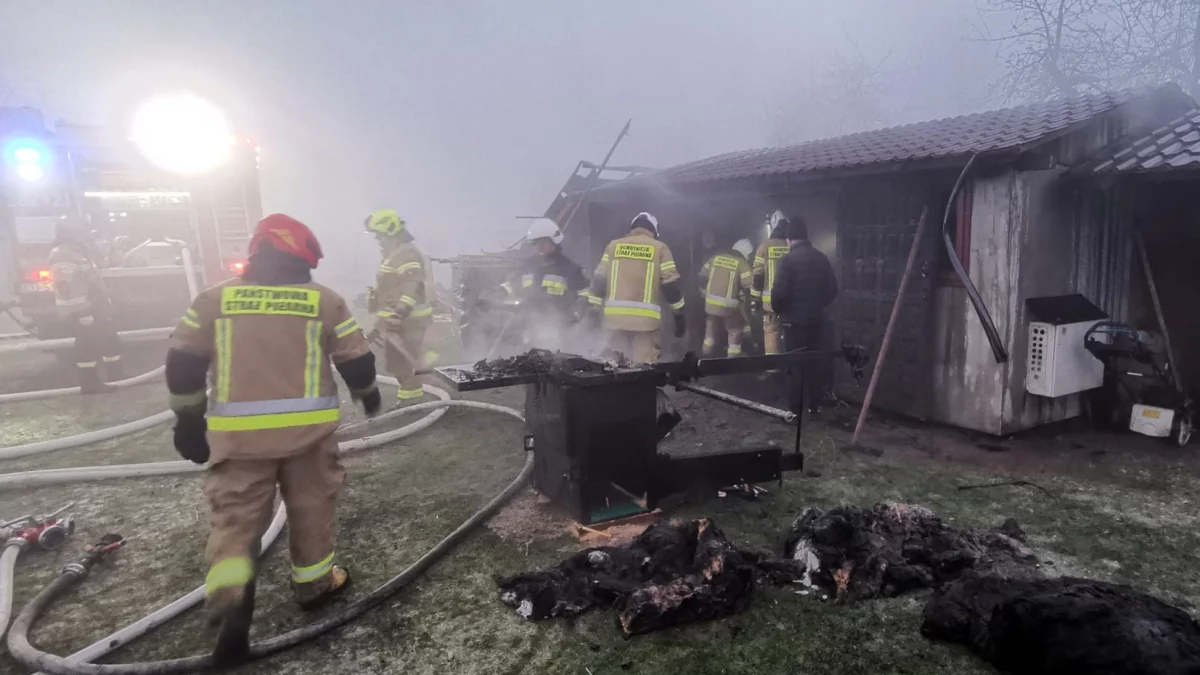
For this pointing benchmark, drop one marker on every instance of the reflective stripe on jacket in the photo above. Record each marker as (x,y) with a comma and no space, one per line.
(402,286)
(77,282)
(629,279)
(550,281)
(766,265)
(270,349)
(726,278)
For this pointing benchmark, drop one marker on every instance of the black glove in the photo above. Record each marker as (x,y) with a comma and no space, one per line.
(680,325)
(371,402)
(190,441)
(756,305)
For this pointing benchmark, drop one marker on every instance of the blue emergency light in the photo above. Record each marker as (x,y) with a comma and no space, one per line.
(28,158)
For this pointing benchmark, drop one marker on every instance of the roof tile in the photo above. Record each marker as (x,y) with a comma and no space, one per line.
(985,132)
(1157,151)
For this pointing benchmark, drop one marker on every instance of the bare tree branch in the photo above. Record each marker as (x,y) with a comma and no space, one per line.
(1064,47)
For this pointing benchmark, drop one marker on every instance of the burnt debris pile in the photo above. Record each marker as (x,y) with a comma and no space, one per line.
(1064,625)
(672,573)
(532,362)
(854,553)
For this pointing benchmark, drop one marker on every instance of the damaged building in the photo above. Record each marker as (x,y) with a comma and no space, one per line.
(1051,206)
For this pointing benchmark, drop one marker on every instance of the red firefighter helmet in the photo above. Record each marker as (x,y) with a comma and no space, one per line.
(287,235)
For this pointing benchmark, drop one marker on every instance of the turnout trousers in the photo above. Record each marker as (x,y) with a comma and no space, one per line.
(241,500)
(98,344)
(772,333)
(733,326)
(402,352)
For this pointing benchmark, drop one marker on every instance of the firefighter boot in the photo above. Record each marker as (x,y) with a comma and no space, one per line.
(89,381)
(317,594)
(232,609)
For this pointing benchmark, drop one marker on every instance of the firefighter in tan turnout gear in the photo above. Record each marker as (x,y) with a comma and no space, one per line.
(726,282)
(766,264)
(268,338)
(401,299)
(80,300)
(636,275)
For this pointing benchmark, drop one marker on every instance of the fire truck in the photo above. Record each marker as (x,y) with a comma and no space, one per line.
(156,236)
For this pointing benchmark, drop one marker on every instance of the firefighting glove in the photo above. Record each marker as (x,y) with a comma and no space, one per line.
(680,325)
(190,440)
(371,402)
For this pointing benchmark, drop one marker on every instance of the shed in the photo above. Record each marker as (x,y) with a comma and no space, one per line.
(1020,226)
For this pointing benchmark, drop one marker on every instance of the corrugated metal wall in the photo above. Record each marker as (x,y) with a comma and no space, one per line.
(1104,251)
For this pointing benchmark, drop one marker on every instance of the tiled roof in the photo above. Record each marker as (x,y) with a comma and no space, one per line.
(996,130)
(1173,146)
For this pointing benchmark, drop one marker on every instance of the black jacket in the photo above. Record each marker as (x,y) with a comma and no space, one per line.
(804,285)
(553,281)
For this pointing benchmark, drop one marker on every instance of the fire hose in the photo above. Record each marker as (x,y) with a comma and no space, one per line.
(109,433)
(65,391)
(19,644)
(45,532)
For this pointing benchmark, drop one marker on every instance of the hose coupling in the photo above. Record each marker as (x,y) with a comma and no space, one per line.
(97,552)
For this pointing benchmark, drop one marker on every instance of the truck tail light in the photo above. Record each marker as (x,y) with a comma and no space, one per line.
(41,275)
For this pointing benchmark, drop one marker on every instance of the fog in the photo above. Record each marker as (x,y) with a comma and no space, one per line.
(463,114)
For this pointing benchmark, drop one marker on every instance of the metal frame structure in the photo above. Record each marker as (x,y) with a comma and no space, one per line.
(594,428)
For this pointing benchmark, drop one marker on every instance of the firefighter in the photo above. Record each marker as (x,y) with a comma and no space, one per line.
(401,300)
(551,289)
(725,281)
(636,275)
(766,263)
(268,337)
(82,302)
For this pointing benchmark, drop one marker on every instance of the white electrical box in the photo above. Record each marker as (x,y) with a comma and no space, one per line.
(1059,364)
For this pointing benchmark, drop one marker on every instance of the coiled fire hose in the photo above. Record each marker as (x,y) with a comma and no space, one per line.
(22,650)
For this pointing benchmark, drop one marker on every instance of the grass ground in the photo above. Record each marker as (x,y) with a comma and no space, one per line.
(1115,513)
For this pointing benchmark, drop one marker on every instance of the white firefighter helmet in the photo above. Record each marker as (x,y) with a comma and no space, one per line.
(544,228)
(647,220)
(744,247)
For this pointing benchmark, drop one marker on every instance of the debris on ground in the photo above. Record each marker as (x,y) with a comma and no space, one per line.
(618,532)
(673,573)
(854,553)
(1064,625)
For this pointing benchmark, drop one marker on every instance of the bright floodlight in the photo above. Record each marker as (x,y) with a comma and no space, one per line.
(30,172)
(183,134)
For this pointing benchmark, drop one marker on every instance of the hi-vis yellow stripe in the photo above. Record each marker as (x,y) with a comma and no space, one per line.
(346,327)
(312,360)
(648,291)
(273,421)
(285,300)
(228,573)
(191,318)
(306,575)
(224,340)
